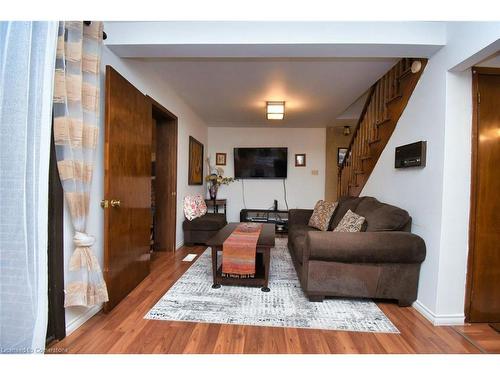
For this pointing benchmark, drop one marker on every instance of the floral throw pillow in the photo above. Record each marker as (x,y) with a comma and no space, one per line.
(351,222)
(323,211)
(194,206)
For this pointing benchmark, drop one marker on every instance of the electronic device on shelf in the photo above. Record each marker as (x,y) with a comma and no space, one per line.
(277,217)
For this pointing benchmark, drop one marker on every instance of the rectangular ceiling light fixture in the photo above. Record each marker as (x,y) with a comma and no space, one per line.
(275,110)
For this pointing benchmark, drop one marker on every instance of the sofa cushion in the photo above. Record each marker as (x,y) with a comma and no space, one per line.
(381,216)
(194,207)
(298,217)
(322,214)
(351,222)
(208,221)
(345,204)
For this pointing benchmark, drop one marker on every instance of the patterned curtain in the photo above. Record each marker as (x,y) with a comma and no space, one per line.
(76,129)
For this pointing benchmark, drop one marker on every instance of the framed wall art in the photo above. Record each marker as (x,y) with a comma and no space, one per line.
(195,172)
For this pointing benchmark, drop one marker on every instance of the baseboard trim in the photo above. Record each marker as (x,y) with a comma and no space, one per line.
(179,245)
(76,323)
(438,319)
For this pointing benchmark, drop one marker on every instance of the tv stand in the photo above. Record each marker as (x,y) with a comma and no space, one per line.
(277,217)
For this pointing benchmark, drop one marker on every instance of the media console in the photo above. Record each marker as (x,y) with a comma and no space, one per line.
(276,217)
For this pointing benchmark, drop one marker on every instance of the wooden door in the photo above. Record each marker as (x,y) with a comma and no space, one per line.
(484,260)
(127,187)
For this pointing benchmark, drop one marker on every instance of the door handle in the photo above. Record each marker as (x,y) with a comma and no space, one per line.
(104,203)
(115,203)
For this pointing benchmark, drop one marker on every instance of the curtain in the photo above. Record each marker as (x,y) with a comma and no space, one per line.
(27,56)
(76,129)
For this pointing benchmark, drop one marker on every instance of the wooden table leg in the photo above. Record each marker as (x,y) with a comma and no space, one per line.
(215,285)
(267,264)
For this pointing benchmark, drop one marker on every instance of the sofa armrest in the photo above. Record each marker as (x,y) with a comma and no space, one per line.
(365,247)
(298,216)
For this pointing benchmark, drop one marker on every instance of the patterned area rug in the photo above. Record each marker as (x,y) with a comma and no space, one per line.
(192,299)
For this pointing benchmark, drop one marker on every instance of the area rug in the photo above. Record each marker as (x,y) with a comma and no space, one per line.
(192,299)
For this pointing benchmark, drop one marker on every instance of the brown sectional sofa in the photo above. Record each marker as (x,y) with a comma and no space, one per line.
(382,261)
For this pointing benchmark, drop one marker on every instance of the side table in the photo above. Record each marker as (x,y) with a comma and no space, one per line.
(215,205)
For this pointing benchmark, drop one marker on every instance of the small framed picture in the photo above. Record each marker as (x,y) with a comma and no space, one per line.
(220,158)
(300,160)
(341,152)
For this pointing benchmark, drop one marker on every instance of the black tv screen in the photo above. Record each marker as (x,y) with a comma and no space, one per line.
(263,162)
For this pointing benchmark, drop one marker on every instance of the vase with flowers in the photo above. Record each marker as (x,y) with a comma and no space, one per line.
(215,179)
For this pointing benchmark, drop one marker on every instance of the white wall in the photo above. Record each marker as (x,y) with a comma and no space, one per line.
(438,195)
(303,188)
(189,123)
(491,62)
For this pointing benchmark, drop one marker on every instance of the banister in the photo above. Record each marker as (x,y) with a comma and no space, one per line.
(358,124)
(386,101)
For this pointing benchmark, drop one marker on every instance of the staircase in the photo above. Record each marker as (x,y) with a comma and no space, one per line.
(384,105)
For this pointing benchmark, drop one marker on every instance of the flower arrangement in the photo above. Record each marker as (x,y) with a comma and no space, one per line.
(216,178)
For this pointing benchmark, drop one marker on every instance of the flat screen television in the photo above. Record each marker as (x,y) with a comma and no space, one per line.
(262,162)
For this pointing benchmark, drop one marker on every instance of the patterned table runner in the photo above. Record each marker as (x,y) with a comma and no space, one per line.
(239,251)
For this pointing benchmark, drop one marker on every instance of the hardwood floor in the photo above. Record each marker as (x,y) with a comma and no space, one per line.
(482,335)
(124,330)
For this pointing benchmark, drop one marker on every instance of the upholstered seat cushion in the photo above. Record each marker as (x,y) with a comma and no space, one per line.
(209,221)
(381,216)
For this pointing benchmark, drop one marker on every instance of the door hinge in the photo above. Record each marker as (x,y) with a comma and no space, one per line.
(478,97)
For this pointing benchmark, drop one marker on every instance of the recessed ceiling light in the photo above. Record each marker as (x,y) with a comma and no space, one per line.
(275,110)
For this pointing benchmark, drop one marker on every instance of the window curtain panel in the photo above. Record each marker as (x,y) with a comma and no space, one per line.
(27,57)
(76,129)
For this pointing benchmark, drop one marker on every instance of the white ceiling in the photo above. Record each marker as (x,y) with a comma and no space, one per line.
(233,92)
(226,71)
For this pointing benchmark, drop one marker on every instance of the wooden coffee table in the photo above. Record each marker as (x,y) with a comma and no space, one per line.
(262,263)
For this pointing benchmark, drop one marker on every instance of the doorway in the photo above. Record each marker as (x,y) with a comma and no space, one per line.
(163,178)
(483,276)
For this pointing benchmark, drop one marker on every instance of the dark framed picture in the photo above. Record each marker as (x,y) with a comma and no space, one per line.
(341,153)
(195,172)
(300,160)
(220,158)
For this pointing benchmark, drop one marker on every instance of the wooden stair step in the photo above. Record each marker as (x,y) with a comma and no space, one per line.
(394,98)
(382,122)
(366,157)
(359,172)
(353,185)
(406,73)
(374,141)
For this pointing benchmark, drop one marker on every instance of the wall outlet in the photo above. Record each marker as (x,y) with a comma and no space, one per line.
(315,172)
